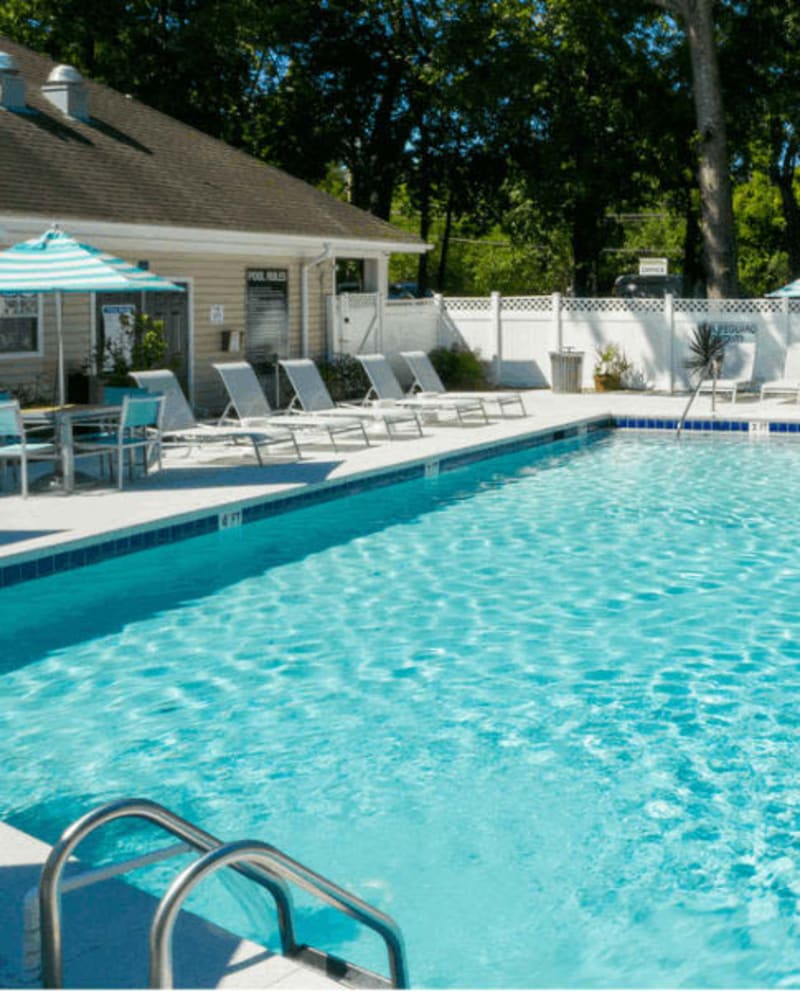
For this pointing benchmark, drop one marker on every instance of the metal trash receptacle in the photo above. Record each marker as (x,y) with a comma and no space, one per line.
(567,370)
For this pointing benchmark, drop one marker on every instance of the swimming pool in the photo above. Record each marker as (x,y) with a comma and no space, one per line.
(542,710)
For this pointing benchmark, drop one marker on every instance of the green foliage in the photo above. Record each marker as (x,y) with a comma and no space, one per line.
(612,361)
(458,368)
(147,340)
(760,231)
(345,378)
(530,128)
(707,350)
(146,350)
(29,393)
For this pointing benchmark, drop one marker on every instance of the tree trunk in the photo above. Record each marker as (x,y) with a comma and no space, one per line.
(782,175)
(445,246)
(587,243)
(424,211)
(693,274)
(713,175)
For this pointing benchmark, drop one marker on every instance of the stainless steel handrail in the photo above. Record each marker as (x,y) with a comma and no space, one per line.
(49,883)
(256,852)
(712,368)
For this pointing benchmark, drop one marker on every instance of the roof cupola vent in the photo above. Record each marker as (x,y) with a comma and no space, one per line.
(66,89)
(12,84)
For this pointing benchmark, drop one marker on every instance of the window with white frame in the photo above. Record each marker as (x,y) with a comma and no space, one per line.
(19,324)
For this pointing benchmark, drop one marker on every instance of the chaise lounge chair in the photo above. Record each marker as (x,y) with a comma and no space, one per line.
(252,409)
(736,372)
(789,385)
(385,387)
(311,393)
(180,426)
(427,381)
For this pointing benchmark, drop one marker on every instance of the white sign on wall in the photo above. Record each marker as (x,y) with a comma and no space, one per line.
(216,314)
(114,329)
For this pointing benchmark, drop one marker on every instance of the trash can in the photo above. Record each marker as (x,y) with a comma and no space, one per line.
(567,367)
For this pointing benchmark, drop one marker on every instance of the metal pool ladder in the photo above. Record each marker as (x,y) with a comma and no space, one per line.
(259,862)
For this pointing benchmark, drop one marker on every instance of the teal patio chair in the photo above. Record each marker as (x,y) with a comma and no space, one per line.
(138,429)
(14,445)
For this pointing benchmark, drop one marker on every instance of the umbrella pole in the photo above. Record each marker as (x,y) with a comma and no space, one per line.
(60,333)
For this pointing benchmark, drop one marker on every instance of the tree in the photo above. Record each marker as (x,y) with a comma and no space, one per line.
(713,167)
(199,61)
(763,52)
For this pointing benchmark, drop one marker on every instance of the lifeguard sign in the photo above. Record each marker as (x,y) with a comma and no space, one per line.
(653,265)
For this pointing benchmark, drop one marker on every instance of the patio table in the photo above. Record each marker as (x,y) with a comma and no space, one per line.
(63,419)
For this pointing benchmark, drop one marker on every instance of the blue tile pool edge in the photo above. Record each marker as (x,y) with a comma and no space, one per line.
(83,553)
(60,558)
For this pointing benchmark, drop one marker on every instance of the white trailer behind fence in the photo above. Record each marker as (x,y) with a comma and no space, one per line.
(515,336)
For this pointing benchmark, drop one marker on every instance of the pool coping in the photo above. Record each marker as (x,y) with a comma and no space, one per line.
(63,556)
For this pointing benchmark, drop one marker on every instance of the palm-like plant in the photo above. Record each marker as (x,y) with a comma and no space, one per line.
(707,348)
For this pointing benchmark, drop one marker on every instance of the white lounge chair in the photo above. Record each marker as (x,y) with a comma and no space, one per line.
(248,401)
(789,384)
(179,424)
(737,369)
(311,393)
(14,445)
(385,387)
(426,380)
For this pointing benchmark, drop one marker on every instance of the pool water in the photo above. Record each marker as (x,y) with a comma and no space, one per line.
(543,711)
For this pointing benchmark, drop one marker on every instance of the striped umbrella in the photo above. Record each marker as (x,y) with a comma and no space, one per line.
(55,262)
(790,291)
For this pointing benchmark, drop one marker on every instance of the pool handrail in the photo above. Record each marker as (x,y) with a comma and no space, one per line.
(266,856)
(194,836)
(710,368)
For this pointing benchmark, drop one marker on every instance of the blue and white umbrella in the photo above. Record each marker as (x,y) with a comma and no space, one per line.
(790,291)
(55,262)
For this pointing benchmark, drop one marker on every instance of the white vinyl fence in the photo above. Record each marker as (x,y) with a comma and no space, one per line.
(516,335)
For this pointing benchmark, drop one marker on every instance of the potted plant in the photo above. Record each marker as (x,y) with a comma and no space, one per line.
(113,361)
(610,368)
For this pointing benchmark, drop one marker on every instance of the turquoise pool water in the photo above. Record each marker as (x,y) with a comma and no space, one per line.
(543,711)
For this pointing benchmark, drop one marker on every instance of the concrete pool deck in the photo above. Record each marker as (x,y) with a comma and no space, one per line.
(206,482)
(211,480)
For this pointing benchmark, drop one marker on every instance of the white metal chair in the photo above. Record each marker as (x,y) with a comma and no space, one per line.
(427,381)
(14,445)
(248,401)
(180,426)
(137,429)
(311,393)
(737,369)
(384,386)
(789,384)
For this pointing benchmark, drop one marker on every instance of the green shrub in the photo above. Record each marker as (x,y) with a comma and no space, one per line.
(345,378)
(458,368)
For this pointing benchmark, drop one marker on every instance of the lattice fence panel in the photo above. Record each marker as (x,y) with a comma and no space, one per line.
(468,305)
(528,303)
(631,307)
(728,307)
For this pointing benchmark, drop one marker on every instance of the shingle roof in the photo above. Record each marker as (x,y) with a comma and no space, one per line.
(132,164)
